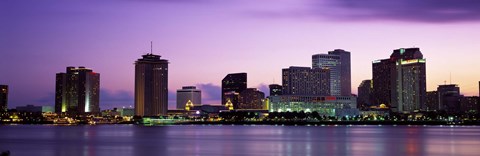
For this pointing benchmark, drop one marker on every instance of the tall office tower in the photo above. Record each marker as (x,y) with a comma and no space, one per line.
(232,86)
(411,84)
(188,93)
(151,86)
(345,71)
(251,98)
(403,76)
(3,97)
(275,89)
(77,91)
(381,79)
(449,97)
(338,61)
(432,101)
(364,99)
(306,81)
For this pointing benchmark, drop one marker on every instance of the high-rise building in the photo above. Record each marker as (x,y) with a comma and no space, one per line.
(403,76)
(432,101)
(381,80)
(345,71)
(275,89)
(410,88)
(306,81)
(338,61)
(188,93)
(449,97)
(232,85)
(3,97)
(77,91)
(365,94)
(251,98)
(151,86)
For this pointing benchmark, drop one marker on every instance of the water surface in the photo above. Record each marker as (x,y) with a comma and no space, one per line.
(120,140)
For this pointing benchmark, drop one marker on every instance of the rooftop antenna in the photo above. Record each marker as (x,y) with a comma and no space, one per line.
(450,77)
(273,80)
(151,47)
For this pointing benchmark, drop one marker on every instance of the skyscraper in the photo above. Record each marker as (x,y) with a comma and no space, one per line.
(306,81)
(77,91)
(251,98)
(403,76)
(275,89)
(188,93)
(338,61)
(3,98)
(364,94)
(232,85)
(382,82)
(151,86)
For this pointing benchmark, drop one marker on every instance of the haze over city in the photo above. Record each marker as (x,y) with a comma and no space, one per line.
(204,40)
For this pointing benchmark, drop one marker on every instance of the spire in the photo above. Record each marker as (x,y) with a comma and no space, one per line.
(450,77)
(151,47)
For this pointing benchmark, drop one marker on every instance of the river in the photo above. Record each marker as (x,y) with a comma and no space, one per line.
(241,140)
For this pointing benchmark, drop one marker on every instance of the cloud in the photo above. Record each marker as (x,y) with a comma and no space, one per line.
(172,1)
(403,10)
(110,99)
(264,88)
(423,11)
(172,99)
(48,99)
(211,94)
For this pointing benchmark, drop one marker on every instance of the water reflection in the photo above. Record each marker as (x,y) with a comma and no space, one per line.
(239,140)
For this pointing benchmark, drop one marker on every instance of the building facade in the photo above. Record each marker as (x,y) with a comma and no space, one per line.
(381,80)
(449,97)
(275,89)
(3,98)
(251,98)
(77,91)
(151,85)
(32,108)
(306,81)
(365,94)
(338,61)
(188,93)
(232,85)
(469,104)
(432,101)
(324,105)
(403,76)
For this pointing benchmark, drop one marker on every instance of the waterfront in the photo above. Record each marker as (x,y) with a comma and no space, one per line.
(239,140)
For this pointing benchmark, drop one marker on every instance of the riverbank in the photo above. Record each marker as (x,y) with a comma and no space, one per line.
(308,123)
(296,123)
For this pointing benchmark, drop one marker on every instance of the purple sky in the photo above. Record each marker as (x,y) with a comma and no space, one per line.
(206,39)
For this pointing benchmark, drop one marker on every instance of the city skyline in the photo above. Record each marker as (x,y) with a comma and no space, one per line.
(277,42)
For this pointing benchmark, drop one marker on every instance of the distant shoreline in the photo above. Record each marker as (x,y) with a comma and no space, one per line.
(288,123)
(305,123)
